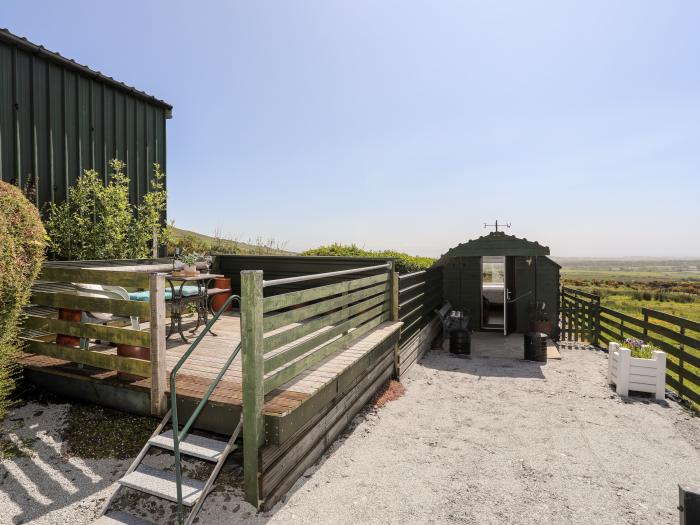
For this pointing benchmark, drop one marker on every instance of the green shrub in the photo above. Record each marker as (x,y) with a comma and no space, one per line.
(22,246)
(97,221)
(404,263)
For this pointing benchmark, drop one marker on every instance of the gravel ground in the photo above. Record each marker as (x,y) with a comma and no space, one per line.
(481,440)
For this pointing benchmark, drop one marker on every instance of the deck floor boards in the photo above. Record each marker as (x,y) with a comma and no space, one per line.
(211,354)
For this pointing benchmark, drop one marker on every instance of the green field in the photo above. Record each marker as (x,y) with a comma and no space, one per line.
(627,285)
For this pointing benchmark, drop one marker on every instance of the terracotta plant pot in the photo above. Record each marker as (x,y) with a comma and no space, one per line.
(219,299)
(75,316)
(137,352)
(544,327)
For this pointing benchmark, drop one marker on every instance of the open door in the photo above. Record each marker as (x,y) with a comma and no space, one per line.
(508,296)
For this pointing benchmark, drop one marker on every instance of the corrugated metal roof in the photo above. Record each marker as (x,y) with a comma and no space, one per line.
(7,36)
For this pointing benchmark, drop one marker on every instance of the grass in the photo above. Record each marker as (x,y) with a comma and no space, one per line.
(405,263)
(217,243)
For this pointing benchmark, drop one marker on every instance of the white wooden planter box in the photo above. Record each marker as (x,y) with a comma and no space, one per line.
(632,373)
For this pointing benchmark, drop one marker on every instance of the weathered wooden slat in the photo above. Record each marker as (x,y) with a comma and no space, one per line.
(276,302)
(138,367)
(140,309)
(277,321)
(90,276)
(624,317)
(276,379)
(159,367)
(274,341)
(278,360)
(90,331)
(253,386)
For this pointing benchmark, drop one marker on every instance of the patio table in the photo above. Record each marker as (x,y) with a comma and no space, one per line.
(180,300)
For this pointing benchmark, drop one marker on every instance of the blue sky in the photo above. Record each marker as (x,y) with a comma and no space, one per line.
(407,125)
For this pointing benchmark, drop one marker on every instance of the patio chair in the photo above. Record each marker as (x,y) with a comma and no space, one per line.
(106,292)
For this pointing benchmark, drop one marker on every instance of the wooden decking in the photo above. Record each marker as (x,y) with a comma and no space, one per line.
(205,363)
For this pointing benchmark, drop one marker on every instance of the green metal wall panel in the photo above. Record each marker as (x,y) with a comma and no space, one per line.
(58,118)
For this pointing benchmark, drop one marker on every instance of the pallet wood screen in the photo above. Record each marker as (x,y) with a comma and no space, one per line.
(583,318)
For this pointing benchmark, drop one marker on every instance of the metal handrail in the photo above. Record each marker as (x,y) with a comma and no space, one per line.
(180,435)
(300,278)
(413,274)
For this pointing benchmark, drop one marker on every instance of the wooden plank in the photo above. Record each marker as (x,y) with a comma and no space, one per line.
(280,359)
(92,276)
(253,386)
(277,321)
(121,307)
(306,457)
(159,372)
(276,302)
(137,367)
(276,379)
(276,340)
(679,321)
(674,336)
(114,334)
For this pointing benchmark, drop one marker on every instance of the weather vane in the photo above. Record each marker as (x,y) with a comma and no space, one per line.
(496,225)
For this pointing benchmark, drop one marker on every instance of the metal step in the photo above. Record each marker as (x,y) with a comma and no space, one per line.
(162,484)
(121,518)
(196,446)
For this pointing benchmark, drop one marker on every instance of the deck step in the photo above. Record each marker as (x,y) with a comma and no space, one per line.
(121,518)
(162,484)
(196,446)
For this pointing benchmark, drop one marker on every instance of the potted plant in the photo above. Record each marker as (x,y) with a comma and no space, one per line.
(189,262)
(635,365)
(539,318)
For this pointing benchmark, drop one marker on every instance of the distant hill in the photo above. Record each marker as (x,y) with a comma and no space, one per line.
(198,242)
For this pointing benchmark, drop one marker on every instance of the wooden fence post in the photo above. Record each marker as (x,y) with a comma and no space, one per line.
(159,370)
(395,316)
(681,363)
(253,380)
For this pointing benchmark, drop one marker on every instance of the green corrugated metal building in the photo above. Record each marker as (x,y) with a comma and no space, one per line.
(529,280)
(58,118)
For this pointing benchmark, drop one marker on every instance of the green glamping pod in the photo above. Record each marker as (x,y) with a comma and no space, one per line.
(503,283)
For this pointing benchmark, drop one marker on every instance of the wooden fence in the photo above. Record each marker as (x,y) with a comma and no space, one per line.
(420,294)
(583,318)
(55,290)
(283,335)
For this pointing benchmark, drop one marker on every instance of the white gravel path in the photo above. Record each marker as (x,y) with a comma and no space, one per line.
(484,440)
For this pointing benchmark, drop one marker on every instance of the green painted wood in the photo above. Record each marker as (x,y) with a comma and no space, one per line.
(279,378)
(277,321)
(497,243)
(280,359)
(277,302)
(113,334)
(129,365)
(272,342)
(140,309)
(90,276)
(253,385)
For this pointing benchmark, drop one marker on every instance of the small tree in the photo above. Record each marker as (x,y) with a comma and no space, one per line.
(22,245)
(97,221)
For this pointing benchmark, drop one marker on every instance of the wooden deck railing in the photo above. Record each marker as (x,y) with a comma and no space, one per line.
(55,290)
(583,318)
(284,335)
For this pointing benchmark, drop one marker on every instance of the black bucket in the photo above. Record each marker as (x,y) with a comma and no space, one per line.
(536,346)
(460,342)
